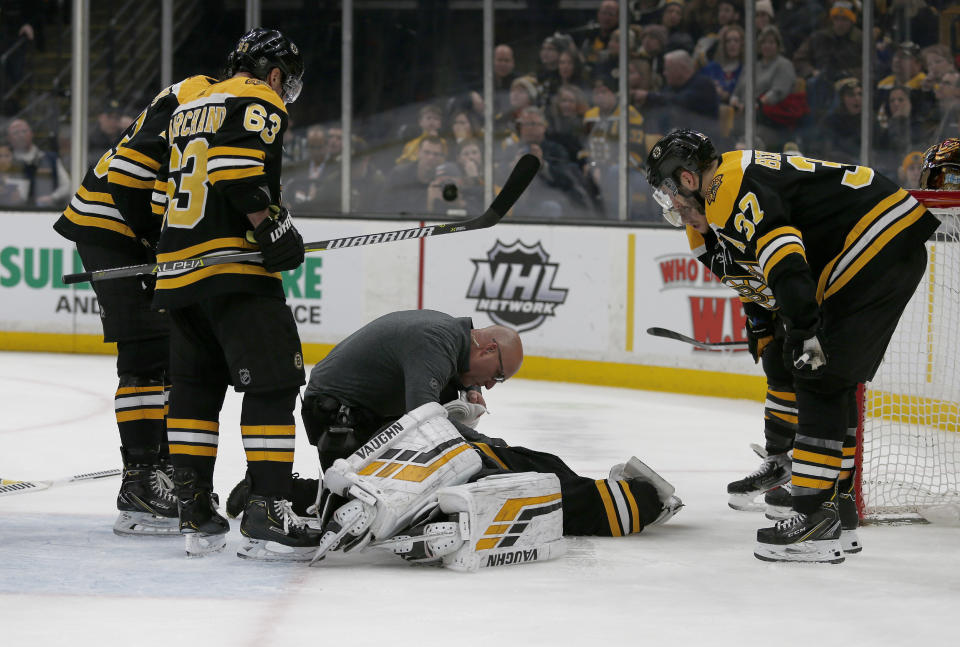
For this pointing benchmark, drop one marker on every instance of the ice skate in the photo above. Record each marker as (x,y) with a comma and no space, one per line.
(849,522)
(272,532)
(637,469)
(146,501)
(774,471)
(205,530)
(779,502)
(813,537)
(237,499)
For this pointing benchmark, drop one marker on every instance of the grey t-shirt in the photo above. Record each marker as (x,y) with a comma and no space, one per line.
(396,363)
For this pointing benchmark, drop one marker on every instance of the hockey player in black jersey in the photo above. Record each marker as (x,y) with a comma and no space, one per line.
(841,249)
(230,324)
(113,223)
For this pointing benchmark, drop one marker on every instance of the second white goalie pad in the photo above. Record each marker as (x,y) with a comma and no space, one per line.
(499,520)
(393,479)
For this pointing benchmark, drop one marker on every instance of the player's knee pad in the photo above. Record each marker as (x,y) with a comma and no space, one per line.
(127,380)
(499,520)
(395,476)
(143,356)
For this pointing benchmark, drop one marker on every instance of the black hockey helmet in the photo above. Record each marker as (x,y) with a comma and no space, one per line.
(941,166)
(679,149)
(259,51)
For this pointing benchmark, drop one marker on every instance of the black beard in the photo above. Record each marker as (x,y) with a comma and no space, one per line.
(695,196)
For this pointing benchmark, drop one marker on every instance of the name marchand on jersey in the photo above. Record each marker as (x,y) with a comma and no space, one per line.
(775,213)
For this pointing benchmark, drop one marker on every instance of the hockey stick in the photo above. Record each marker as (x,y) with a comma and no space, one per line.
(706,345)
(519,179)
(19,487)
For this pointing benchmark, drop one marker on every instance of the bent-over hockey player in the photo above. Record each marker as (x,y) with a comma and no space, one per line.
(230,324)
(111,220)
(841,249)
(406,359)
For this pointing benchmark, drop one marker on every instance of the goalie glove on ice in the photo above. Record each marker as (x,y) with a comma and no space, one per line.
(280,243)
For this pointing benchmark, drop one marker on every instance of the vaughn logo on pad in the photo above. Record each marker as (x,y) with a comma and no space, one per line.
(514,285)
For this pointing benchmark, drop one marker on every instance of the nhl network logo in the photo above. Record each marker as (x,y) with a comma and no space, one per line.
(514,285)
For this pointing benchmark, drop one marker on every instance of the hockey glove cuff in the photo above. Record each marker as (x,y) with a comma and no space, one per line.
(759,334)
(803,351)
(280,243)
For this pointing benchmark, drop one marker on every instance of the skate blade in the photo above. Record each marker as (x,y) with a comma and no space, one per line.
(820,551)
(144,524)
(778,512)
(200,545)
(746,502)
(850,542)
(271,551)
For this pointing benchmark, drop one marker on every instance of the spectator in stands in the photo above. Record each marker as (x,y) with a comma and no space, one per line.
(504,65)
(774,83)
(553,191)
(470,184)
(548,75)
(570,69)
(13,185)
(899,130)
(839,136)
(937,62)
(598,33)
(407,184)
(728,12)
(610,61)
(688,99)
(49,182)
(908,173)
(677,35)
(700,17)
(796,20)
(303,179)
(763,14)
(107,130)
(913,20)
(430,119)
(948,106)
(20,21)
(640,76)
(464,126)
(907,71)
(523,93)
(653,43)
(565,120)
(833,52)
(724,69)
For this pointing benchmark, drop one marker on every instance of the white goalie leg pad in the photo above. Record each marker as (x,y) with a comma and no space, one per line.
(398,472)
(505,519)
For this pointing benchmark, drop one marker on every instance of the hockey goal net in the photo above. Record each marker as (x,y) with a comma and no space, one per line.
(909,458)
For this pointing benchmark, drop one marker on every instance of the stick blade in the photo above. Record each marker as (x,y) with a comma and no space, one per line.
(520,178)
(19,487)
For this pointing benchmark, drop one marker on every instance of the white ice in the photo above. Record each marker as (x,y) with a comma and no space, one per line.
(66,579)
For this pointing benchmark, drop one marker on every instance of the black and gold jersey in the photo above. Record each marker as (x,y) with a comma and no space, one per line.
(112,206)
(741,274)
(790,215)
(225,152)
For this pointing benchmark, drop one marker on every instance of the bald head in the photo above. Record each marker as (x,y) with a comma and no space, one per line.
(495,352)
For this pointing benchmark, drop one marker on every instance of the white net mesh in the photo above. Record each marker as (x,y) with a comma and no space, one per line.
(911,423)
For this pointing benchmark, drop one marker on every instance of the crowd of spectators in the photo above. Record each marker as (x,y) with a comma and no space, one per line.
(559,100)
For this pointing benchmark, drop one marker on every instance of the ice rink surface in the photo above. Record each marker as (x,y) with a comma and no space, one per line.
(66,579)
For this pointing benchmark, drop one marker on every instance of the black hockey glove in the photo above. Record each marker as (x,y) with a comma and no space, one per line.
(803,351)
(280,243)
(759,334)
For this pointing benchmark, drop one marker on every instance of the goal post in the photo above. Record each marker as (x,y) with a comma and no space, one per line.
(908,459)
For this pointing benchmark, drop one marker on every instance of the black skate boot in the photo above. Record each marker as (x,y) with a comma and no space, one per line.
(205,530)
(813,537)
(273,532)
(774,471)
(237,499)
(849,522)
(146,500)
(779,503)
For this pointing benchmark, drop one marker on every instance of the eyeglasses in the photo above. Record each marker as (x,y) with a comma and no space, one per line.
(500,377)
